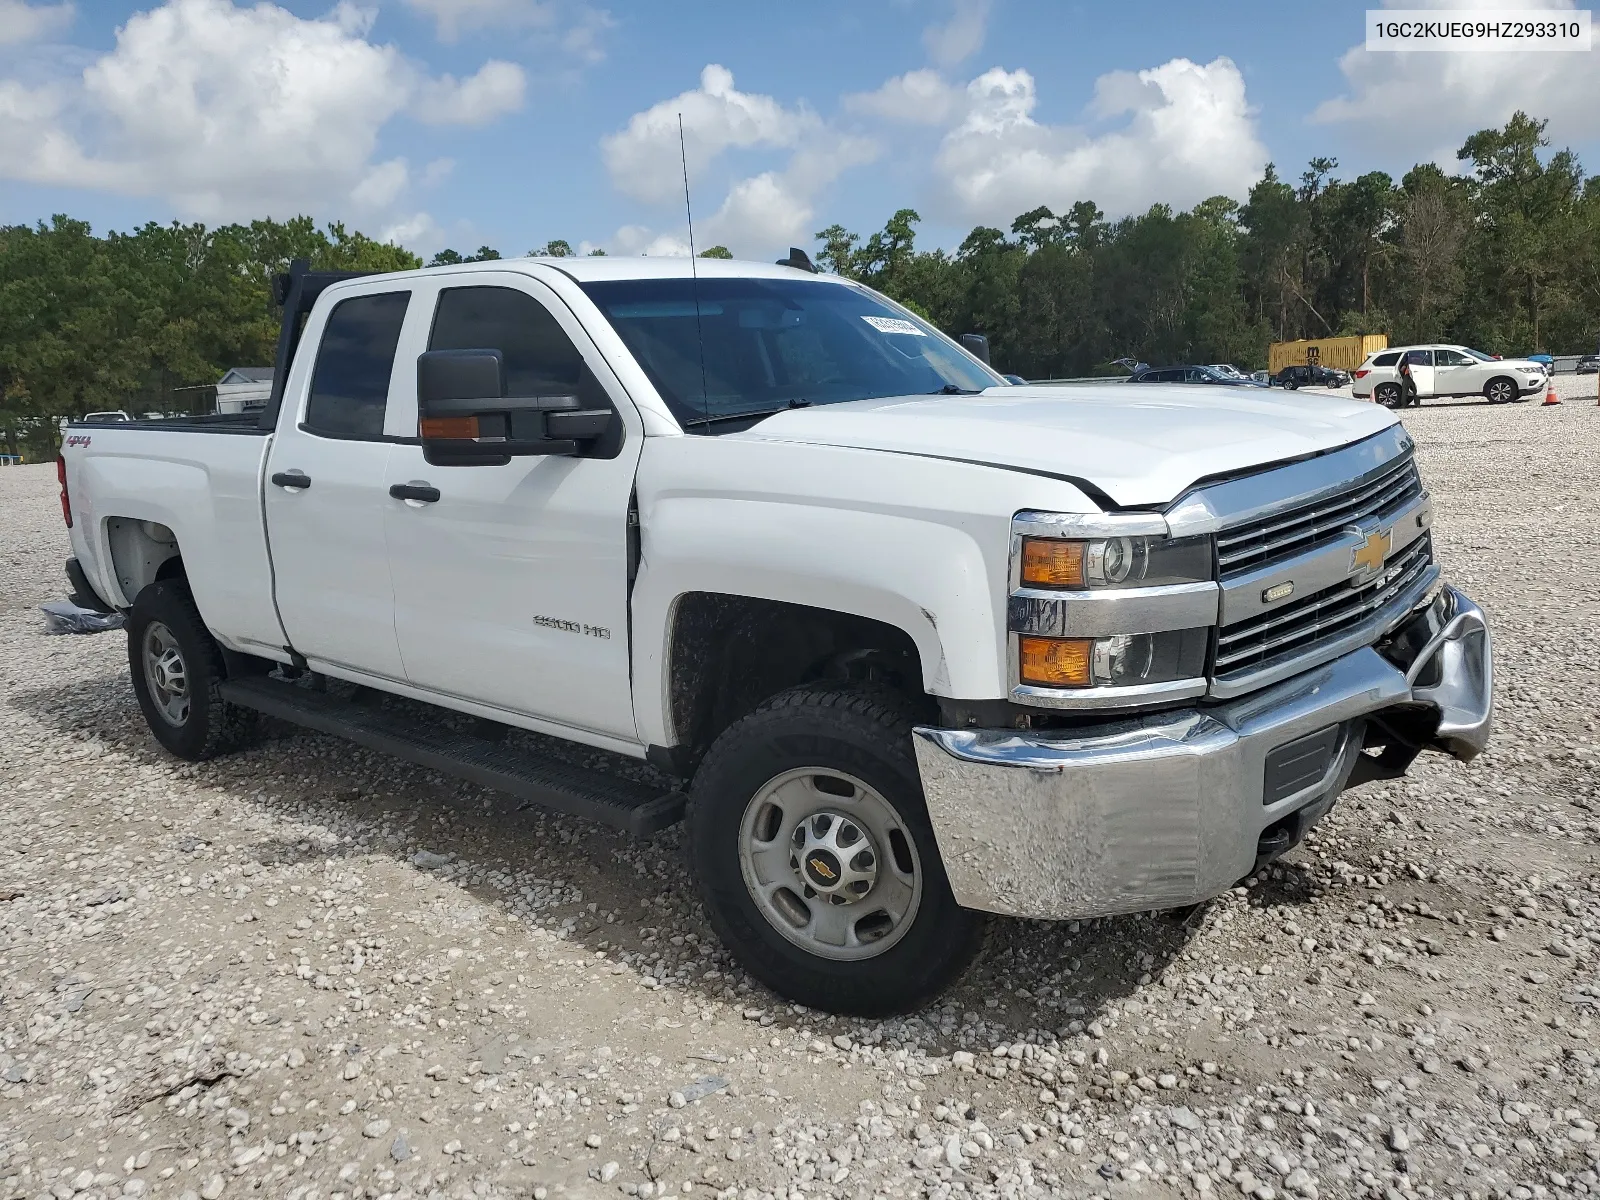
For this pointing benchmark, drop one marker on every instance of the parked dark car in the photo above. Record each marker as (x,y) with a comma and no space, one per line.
(1189,374)
(1589,364)
(1310,376)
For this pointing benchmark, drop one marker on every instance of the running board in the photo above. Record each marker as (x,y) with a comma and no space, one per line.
(550,783)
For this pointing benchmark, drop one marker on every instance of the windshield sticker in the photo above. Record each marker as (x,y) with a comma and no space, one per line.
(893,325)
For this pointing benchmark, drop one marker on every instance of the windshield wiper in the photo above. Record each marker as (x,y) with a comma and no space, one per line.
(755,415)
(951,389)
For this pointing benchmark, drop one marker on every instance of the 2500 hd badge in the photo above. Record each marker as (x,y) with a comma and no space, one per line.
(596,631)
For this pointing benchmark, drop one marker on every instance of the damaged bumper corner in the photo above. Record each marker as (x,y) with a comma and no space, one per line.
(1172,808)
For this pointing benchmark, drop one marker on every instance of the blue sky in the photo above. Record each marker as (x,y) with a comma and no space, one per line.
(511,122)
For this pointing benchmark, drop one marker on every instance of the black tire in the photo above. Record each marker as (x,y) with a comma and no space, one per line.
(1389,395)
(1501,390)
(865,734)
(1290,385)
(209,725)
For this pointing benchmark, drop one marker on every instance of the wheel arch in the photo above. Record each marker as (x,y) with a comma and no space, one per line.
(1510,381)
(140,553)
(725,654)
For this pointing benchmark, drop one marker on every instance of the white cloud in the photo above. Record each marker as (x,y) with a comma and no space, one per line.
(1188,134)
(455,17)
(583,38)
(495,90)
(959,38)
(437,171)
(23,22)
(769,209)
(922,97)
(382,185)
(415,230)
(763,207)
(643,159)
(575,28)
(1446,96)
(640,239)
(232,112)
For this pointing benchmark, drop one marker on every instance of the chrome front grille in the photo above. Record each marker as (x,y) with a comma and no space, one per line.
(1303,528)
(1299,627)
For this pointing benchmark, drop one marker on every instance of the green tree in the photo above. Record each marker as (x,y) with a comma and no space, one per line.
(838,254)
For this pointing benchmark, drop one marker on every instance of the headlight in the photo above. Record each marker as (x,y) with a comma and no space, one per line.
(1114,562)
(1120,661)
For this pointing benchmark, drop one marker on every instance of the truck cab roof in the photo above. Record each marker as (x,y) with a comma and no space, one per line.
(603,268)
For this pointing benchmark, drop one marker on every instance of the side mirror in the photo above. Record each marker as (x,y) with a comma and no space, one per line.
(465,418)
(976,344)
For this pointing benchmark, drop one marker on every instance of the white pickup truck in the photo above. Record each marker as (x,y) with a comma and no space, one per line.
(921,644)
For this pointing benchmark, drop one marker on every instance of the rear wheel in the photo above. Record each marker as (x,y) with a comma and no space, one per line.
(1500,390)
(813,852)
(177,668)
(1388,395)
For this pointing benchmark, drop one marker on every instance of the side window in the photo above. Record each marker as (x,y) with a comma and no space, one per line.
(540,358)
(1420,358)
(1451,358)
(1387,360)
(350,383)
(1168,377)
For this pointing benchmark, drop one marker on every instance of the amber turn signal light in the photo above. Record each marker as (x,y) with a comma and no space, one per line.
(1055,662)
(449,428)
(1052,562)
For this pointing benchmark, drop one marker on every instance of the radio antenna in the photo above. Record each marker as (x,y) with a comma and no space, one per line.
(694,276)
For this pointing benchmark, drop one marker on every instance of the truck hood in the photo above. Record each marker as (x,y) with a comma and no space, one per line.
(1141,445)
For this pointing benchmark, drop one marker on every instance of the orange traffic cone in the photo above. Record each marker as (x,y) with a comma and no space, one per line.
(1550,395)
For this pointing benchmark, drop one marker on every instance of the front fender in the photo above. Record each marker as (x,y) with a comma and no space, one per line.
(916,543)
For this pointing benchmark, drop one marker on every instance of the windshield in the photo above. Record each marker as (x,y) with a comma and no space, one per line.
(1478,354)
(771,344)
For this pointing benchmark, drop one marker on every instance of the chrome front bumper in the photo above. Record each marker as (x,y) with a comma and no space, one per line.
(1172,808)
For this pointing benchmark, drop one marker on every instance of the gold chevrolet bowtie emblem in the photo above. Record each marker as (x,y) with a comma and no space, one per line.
(1369,557)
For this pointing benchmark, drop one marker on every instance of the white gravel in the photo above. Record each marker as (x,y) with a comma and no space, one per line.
(314,973)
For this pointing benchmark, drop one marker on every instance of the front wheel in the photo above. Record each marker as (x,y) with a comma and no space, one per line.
(812,849)
(177,668)
(1500,391)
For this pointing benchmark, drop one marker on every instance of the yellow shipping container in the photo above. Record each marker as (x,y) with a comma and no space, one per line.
(1346,353)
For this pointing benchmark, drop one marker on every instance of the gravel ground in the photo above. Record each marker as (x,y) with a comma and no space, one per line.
(314,973)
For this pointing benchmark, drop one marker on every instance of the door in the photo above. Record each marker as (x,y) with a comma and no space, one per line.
(511,589)
(1454,374)
(327,491)
(1422,370)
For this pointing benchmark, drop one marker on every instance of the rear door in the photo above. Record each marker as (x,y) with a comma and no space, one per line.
(511,589)
(1422,370)
(327,487)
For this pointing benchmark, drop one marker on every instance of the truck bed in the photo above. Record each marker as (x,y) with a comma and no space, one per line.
(243,422)
(202,479)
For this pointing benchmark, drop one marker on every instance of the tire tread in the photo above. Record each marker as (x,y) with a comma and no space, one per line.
(228,727)
(885,718)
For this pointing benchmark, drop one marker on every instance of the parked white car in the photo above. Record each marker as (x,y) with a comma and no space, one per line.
(1446,371)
